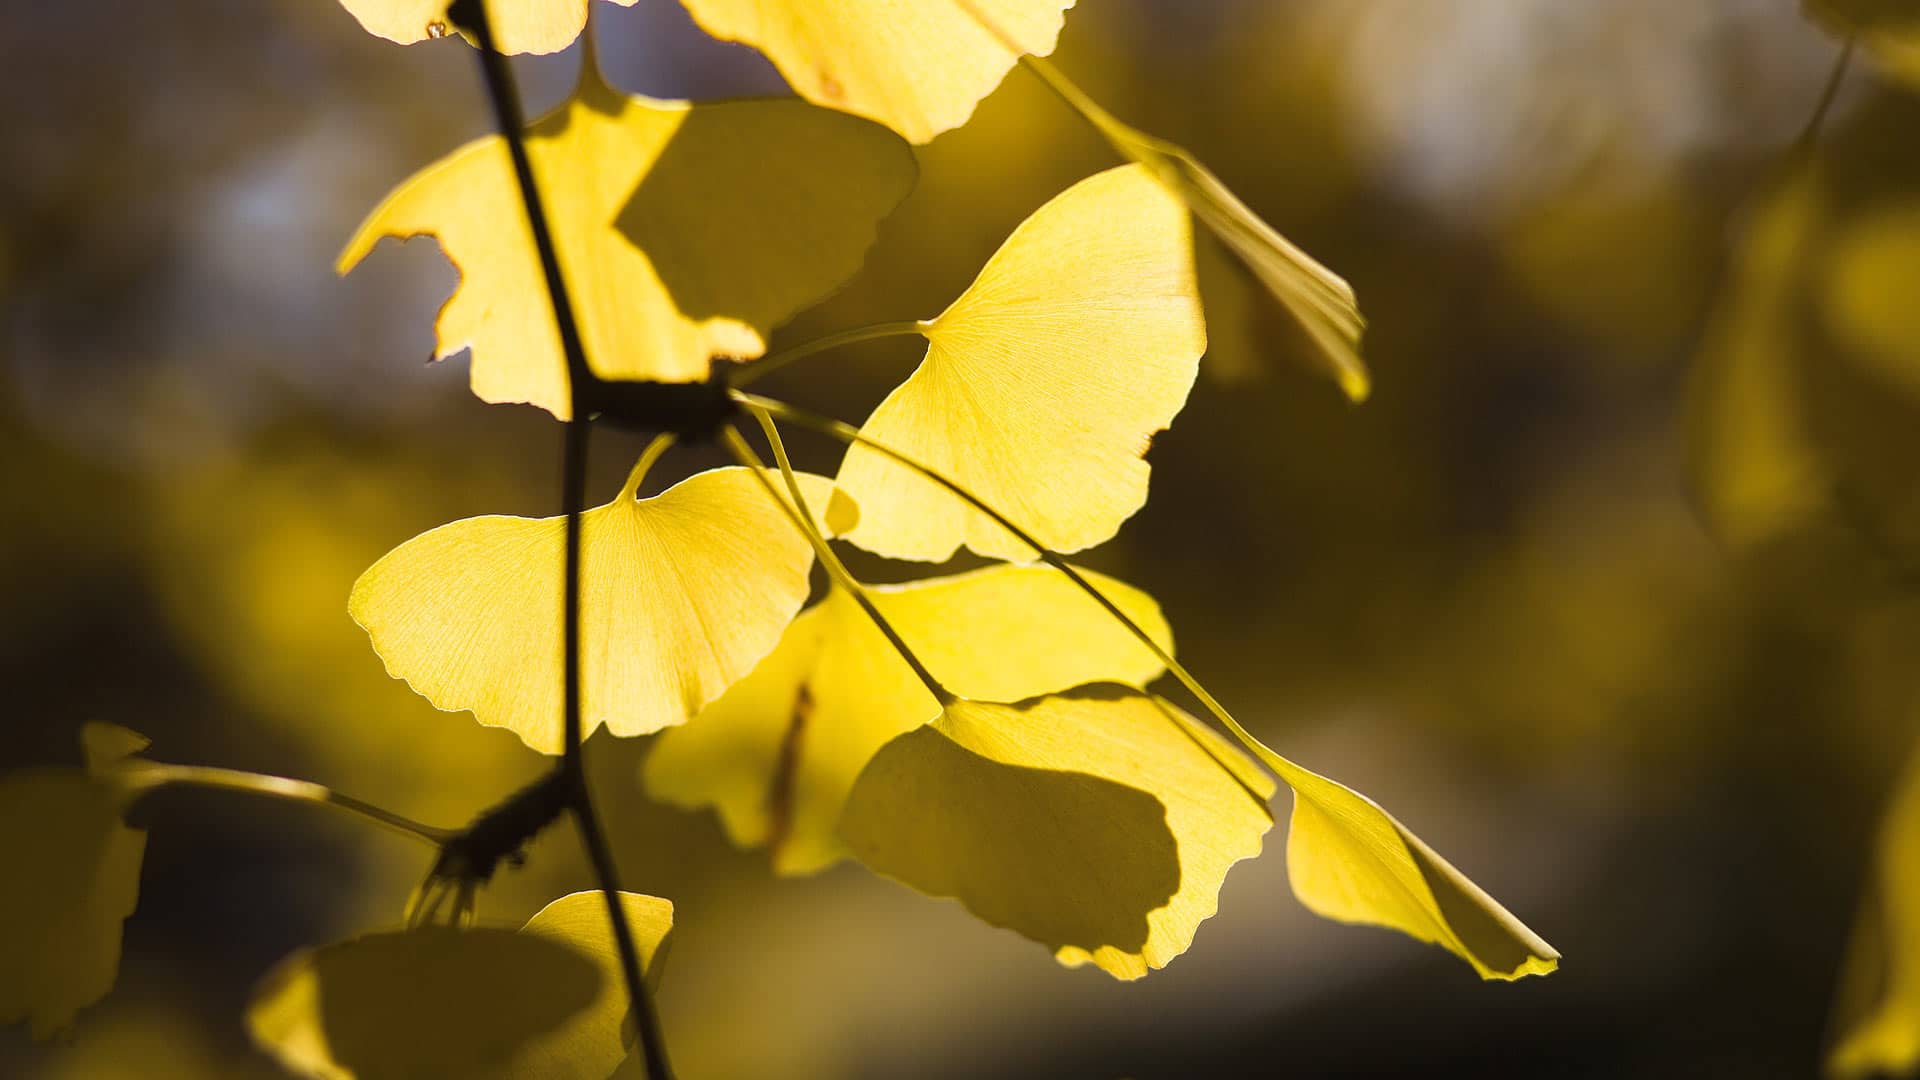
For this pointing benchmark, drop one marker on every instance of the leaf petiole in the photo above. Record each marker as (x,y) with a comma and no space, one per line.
(148,775)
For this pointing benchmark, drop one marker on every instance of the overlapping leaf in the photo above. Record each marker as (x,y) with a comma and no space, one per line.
(778,752)
(1043,382)
(681,595)
(519,26)
(1350,860)
(684,231)
(1100,822)
(547,1001)
(918,66)
(73,877)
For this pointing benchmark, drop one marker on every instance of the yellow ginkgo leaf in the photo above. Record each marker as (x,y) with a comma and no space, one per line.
(1877,1016)
(917,66)
(681,594)
(1350,860)
(72,878)
(593,1042)
(1043,383)
(685,232)
(430,1002)
(778,752)
(1100,822)
(519,26)
(1319,300)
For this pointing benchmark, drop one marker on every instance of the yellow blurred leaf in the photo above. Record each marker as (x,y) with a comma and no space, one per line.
(72,878)
(1350,860)
(743,212)
(1877,1020)
(593,1043)
(1100,822)
(1043,383)
(519,26)
(681,594)
(1888,29)
(778,752)
(418,1003)
(1868,277)
(918,66)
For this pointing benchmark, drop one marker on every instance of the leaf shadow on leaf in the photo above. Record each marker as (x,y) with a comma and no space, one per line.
(756,208)
(1064,858)
(441,1002)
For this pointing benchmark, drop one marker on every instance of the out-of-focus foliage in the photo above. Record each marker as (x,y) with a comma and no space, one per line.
(75,877)
(686,232)
(1877,1021)
(1042,383)
(776,755)
(683,593)
(1890,30)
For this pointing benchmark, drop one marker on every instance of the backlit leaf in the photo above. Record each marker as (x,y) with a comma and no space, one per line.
(681,595)
(72,878)
(743,212)
(417,1003)
(1043,383)
(1877,1026)
(519,26)
(918,66)
(1319,300)
(1100,822)
(592,1043)
(778,752)
(1350,860)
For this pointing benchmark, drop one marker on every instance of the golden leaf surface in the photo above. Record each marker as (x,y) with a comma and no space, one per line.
(684,232)
(1100,822)
(917,66)
(1877,1021)
(519,26)
(1043,383)
(681,595)
(777,754)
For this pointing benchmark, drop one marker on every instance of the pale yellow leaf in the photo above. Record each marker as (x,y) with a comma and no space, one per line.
(685,232)
(1043,383)
(593,1042)
(519,26)
(1100,822)
(918,66)
(681,595)
(778,752)
(1350,860)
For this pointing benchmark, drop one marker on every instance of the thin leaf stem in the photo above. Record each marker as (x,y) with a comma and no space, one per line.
(156,774)
(512,122)
(648,458)
(803,520)
(770,364)
(847,433)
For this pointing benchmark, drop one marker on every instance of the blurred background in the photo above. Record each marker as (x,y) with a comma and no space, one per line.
(1607,593)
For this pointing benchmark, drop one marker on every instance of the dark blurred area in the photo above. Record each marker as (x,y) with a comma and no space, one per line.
(1551,596)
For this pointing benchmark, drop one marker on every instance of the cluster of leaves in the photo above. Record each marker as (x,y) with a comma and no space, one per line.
(988,736)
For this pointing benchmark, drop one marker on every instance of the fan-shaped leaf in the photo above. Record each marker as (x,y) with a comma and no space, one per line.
(1100,822)
(73,876)
(745,212)
(1043,382)
(917,66)
(681,594)
(429,1002)
(592,1044)
(519,26)
(778,752)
